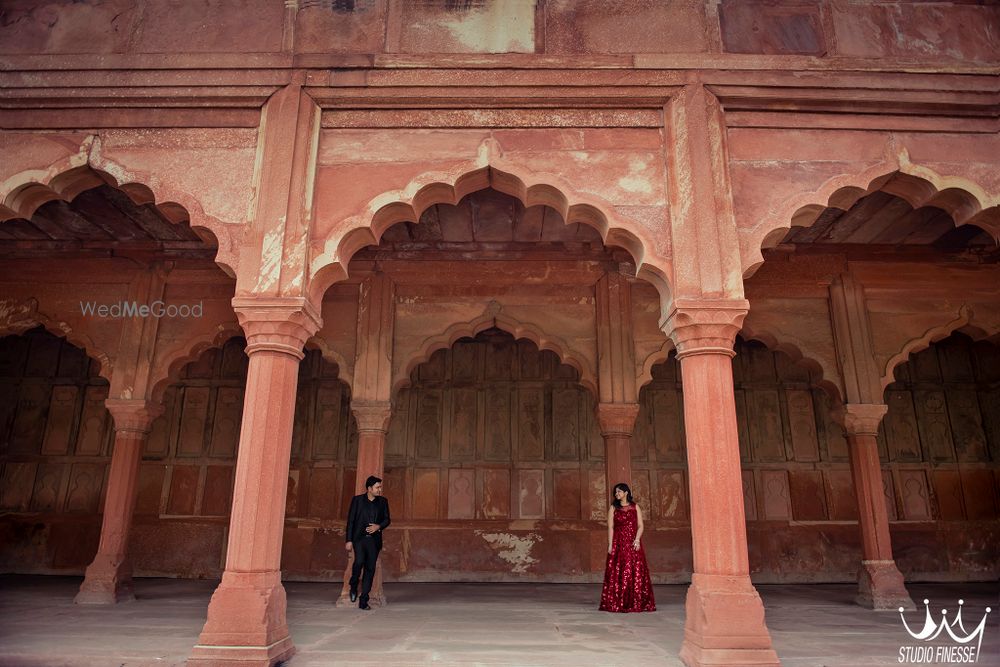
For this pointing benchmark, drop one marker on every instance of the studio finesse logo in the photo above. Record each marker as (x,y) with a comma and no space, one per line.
(961,651)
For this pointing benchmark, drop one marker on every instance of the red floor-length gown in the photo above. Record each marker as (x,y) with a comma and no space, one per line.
(627,586)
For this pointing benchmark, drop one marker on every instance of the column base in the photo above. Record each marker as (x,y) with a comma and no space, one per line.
(376,598)
(107,581)
(725,624)
(246,623)
(881,586)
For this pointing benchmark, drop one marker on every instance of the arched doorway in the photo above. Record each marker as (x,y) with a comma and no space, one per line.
(495,463)
(55,446)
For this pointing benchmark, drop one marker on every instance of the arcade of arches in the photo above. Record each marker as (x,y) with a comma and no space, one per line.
(504,255)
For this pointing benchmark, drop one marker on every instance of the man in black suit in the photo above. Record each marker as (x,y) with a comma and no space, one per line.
(367,518)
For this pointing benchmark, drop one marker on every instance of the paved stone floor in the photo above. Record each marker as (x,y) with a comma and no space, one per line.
(460,625)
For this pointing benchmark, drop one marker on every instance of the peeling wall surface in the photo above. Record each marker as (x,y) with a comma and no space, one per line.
(497,212)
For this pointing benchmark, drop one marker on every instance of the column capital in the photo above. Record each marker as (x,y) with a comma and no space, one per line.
(277,324)
(617,418)
(133,415)
(372,415)
(705,326)
(860,418)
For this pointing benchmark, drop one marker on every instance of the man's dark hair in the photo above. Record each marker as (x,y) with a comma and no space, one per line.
(372,481)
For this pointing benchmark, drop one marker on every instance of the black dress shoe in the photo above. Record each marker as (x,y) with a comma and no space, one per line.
(354,596)
(364,607)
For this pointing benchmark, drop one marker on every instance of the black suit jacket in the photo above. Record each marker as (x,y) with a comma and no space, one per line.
(363,512)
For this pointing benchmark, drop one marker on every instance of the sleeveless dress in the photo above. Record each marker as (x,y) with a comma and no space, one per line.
(627,585)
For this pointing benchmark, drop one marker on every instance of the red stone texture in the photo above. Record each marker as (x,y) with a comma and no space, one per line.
(501,254)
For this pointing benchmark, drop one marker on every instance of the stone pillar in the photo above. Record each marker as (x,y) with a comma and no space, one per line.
(246,617)
(617,421)
(109,576)
(880,583)
(373,425)
(724,614)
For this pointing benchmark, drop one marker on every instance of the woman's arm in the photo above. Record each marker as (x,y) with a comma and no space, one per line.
(611,528)
(638,534)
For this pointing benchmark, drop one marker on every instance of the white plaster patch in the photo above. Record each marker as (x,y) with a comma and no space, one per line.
(636,181)
(270,260)
(513,549)
(499,26)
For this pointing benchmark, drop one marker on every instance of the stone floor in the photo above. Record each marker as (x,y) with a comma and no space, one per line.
(459,625)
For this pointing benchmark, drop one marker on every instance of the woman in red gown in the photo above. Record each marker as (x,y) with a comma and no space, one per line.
(627,586)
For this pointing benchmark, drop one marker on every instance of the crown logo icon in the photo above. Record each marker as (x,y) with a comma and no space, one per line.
(955,629)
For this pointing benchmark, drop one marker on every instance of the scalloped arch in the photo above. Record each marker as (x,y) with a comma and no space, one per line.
(174,358)
(408,204)
(61,330)
(965,201)
(828,379)
(657,357)
(24,193)
(344,372)
(512,326)
(924,341)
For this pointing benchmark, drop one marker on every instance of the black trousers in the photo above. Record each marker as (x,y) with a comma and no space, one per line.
(365,555)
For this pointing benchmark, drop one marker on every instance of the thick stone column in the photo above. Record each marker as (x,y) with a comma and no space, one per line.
(109,576)
(617,421)
(724,614)
(246,617)
(373,425)
(880,583)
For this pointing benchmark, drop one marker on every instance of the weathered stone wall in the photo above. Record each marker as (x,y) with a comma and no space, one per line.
(817,28)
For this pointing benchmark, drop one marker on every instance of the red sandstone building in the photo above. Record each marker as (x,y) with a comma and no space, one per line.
(502,253)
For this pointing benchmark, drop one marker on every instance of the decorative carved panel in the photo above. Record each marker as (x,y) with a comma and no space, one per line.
(932,423)
(913,494)
(428,426)
(496,493)
(802,425)
(766,434)
(671,500)
(48,486)
(900,425)
(565,424)
(60,422)
(531,494)
(194,414)
(95,422)
(774,485)
(668,420)
(85,483)
(497,423)
(29,422)
(226,422)
(530,420)
(966,424)
(464,424)
(461,493)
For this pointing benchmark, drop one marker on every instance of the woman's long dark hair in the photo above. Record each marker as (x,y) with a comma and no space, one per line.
(628,494)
